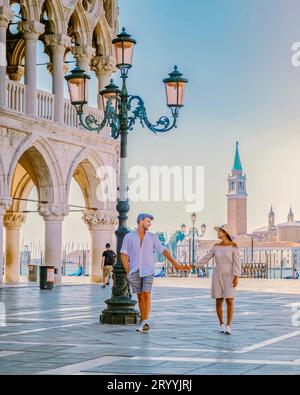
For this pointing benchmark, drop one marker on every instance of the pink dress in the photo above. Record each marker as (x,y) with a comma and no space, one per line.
(227,265)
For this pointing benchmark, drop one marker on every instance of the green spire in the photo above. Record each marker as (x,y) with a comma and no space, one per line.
(237,165)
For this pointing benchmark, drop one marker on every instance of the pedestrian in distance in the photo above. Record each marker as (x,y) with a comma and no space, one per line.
(107,262)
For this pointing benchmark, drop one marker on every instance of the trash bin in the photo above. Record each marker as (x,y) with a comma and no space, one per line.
(32,273)
(47,277)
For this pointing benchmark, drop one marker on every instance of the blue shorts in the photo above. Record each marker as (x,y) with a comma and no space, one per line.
(140,284)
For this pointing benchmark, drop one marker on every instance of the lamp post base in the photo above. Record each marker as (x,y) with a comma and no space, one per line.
(119,312)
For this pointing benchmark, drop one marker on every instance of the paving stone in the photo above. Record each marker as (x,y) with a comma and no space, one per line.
(179,329)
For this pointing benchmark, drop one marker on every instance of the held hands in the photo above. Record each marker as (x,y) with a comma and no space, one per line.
(182,267)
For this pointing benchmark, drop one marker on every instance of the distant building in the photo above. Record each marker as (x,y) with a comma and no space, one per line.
(277,245)
(237,197)
(287,231)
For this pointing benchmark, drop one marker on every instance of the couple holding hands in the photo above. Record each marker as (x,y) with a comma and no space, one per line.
(137,254)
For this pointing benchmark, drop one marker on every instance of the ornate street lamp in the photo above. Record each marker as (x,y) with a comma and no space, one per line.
(121,113)
(193,218)
(194,232)
(123,46)
(78,88)
(110,93)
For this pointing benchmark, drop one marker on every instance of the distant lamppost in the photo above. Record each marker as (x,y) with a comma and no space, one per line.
(193,232)
(121,113)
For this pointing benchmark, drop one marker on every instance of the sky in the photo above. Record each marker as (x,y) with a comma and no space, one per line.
(242,87)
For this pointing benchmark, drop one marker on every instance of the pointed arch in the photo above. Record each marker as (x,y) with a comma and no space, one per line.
(31,9)
(84,170)
(103,37)
(42,166)
(79,26)
(16,56)
(56,16)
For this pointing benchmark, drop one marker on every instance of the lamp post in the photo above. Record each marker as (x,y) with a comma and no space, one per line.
(193,232)
(121,113)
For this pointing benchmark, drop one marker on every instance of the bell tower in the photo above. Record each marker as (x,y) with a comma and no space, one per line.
(271,217)
(237,197)
(290,217)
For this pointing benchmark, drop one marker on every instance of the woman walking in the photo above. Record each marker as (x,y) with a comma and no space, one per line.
(225,275)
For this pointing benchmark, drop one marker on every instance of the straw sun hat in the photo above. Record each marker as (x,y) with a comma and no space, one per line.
(226,229)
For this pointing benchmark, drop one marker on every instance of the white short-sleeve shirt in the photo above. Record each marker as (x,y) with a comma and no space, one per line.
(141,258)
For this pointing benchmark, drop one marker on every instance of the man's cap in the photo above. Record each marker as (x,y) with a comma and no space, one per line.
(142,216)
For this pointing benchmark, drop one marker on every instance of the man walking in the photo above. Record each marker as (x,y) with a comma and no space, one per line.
(108,260)
(137,255)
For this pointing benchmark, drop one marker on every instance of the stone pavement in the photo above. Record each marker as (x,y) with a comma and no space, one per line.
(58,332)
(245,284)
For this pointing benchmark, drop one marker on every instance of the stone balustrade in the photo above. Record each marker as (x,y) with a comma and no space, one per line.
(16,101)
(15,96)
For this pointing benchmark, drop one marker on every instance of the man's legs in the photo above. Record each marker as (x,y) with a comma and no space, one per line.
(104,274)
(142,287)
(144,301)
(147,304)
(141,304)
(109,280)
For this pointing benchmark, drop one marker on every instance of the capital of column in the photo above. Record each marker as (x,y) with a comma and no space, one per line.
(83,54)
(31,30)
(58,42)
(53,212)
(14,220)
(6,15)
(66,68)
(103,65)
(15,72)
(4,205)
(99,220)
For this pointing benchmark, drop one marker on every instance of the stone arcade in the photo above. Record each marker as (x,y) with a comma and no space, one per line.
(41,143)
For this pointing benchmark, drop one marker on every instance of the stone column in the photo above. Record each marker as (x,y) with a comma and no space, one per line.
(31,30)
(6,15)
(103,66)
(83,54)
(13,223)
(4,205)
(58,44)
(53,215)
(101,227)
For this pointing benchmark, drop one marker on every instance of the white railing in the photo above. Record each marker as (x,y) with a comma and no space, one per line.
(15,96)
(45,105)
(16,99)
(70,115)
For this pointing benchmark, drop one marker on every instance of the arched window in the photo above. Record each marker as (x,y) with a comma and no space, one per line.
(13,26)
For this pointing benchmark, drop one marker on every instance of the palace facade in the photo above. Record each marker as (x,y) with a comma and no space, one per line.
(41,142)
